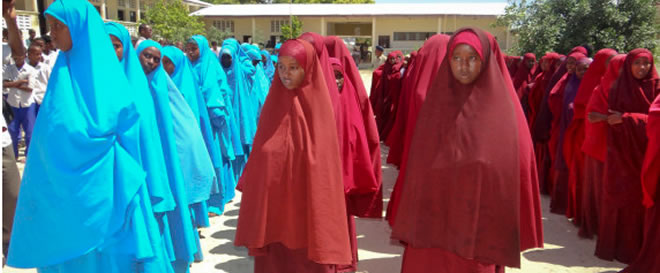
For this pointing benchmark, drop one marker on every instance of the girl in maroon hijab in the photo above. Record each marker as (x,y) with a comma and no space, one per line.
(575,137)
(293,212)
(386,83)
(524,72)
(595,145)
(648,259)
(363,205)
(430,57)
(558,102)
(462,191)
(622,218)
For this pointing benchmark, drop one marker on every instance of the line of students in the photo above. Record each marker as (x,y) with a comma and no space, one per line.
(133,149)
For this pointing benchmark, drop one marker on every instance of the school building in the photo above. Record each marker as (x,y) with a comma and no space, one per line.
(126,12)
(394,26)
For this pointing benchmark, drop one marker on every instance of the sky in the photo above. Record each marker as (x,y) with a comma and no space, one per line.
(441,1)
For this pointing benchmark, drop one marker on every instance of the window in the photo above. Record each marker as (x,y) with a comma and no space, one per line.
(384,41)
(247,38)
(120,15)
(133,16)
(132,4)
(142,16)
(24,22)
(224,25)
(276,25)
(121,3)
(412,36)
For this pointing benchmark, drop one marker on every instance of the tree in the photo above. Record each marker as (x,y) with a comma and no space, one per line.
(169,20)
(214,34)
(559,25)
(293,30)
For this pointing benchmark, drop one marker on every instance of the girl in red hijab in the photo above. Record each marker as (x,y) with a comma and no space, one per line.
(293,212)
(622,218)
(575,137)
(386,83)
(462,191)
(595,144)
(524,72)
(648,259)
(558,102)
(430,57)
(368,205)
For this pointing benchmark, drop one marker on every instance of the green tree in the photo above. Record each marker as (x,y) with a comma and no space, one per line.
(169,20)
(292,30)
(559,25)
(214,34)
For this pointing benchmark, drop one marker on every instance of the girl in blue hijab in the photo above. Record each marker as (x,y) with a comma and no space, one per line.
(153,160)
(268,66)
(180,70)
(260,83)
(213,85)
(183,235)
(239,70)
(83,205)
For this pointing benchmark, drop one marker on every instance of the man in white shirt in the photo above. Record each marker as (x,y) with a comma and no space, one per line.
(50,52)
(19,80)
(145,32)
(379,58)
(43,74)
(32,34)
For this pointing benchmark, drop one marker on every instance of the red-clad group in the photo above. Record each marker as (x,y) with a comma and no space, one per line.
(594,149)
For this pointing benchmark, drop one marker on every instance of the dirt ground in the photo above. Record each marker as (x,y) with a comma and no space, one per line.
(564,251)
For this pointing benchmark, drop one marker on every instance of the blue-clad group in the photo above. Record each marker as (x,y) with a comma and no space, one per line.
(133,148)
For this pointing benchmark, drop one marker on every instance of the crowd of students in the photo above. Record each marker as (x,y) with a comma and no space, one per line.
(135,146)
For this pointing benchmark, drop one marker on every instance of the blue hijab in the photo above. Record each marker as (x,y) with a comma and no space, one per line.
(83,195)
(181,231)
(153,160)
(269,67)
(239,75)
(196,164)
(213,83)
(260,83)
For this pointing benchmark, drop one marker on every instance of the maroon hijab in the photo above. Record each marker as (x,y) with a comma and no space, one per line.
(426,66)
(465,166)
(523,73)
(322,53)
(626,142)
(368,205)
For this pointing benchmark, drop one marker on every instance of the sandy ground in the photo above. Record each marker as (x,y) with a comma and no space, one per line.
(564,251)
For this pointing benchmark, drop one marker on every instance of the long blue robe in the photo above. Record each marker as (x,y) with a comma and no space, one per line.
(83,205)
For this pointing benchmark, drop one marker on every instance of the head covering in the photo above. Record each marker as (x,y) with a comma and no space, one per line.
(283,201)
(472,172)
(380,48)
(240,80)
(273,58)
(626,143)
(269,68)
(579,49)
(386,85)
(468,38)
(370,206)
(184,78)
(651,167)
(152,155)
(421,75)
(83,180)
(538,87)
(596,144)
(591,79)
(524,73)
(260,84)
(184,154)
(322,53)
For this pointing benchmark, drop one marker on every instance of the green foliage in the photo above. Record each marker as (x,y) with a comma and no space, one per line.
(214,34)
(559,25)
(291,33)
(169,20)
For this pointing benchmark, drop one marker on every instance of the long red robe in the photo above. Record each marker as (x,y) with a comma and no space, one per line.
(622,213)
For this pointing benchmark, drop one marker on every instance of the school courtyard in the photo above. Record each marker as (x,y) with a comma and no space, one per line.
(564,251)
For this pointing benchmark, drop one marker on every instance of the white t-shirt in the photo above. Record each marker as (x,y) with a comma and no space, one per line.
(216,51)
(51,58)
(43,74)
(17,97)
(6,54)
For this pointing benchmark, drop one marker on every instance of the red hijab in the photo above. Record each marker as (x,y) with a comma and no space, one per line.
(318,43)
(370,206)
(595,141)
(427,64)
(626,142)
(359,178)
(651,167)
(385,86)
(292,185)
(462,186)
(523,73)
(539,85)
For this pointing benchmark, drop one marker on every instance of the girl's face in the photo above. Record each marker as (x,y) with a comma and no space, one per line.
(192,51)
(641,67)
(339,78)
(119,47)
(168,65)
(545,65)
(150,59)
(290,72)
(570,65)
(581,69)
(60,35)
(465,64)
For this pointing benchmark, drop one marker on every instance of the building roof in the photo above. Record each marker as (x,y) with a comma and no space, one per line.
(198,3)
(411,9)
